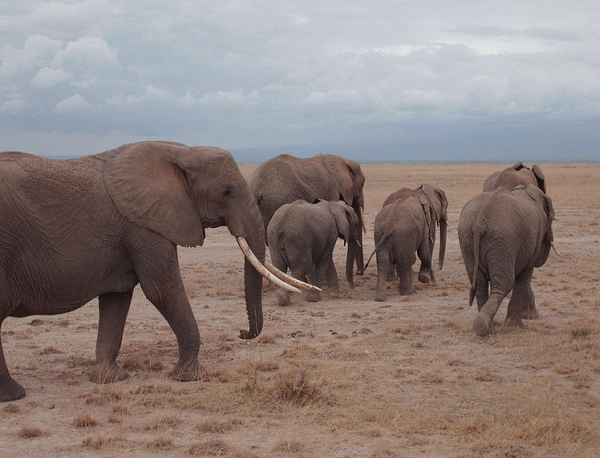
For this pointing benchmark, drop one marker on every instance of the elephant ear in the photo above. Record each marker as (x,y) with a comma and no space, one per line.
(341,215)
(539,176)
(147,184)
(346,174)
(434,201)
(429,217)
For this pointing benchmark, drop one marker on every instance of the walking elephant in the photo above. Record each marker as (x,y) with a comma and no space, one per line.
(285,179)
(437,204)
(503,236)
(72,230)
(515,175)
(402,228)
(301,236)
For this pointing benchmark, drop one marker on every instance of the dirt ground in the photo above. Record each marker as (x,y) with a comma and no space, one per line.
(345,377)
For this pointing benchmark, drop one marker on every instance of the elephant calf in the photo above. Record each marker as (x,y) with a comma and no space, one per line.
(301,236)
(503,236)
(401,229)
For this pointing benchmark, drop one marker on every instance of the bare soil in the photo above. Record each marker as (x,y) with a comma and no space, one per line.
(345,377)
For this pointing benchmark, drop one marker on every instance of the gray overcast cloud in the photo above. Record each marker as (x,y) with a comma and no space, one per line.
(374,80)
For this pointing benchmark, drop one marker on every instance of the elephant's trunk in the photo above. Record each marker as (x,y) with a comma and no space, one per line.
(247,222)
(353,247)
(443,233)
(359,255)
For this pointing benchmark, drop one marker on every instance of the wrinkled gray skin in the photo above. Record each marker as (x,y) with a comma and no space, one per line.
(73,230)
(401,229)
(437,204)
(515,175)
(503,236)
(285,179)
(301,236)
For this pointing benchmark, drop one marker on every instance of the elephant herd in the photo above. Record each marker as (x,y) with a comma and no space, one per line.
(97,226)
(504,232)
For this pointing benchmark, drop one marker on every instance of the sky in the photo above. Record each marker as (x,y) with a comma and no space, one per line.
(372,80)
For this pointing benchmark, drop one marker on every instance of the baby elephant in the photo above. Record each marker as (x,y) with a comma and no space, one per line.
(301,237)
(401,229)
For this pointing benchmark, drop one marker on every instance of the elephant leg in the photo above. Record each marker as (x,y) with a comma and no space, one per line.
(332,276)
(317,275)
(113,309)
(484,321)
(10,390)
(425,254)
(391,275)
(383,268)
(482,292)
(278,260)
(405,280)
(522,302)
(163,287)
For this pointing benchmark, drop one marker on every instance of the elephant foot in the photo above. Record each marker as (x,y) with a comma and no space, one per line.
(10,390)
(424,277)
(101,373)
(187,372)
(313,296)
(380,297)
(482,325)
(531,314)
(512,321)
(283,298)
(391,277)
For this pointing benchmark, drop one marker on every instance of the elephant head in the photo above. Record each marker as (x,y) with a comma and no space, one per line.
(515,175)
(179,191)
(349,230)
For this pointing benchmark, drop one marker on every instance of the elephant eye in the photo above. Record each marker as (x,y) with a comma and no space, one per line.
(227,192)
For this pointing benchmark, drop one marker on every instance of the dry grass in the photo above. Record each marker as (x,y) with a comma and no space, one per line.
(347,376)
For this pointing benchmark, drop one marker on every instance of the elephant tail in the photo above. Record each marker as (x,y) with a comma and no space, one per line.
(377,247)
(477,234)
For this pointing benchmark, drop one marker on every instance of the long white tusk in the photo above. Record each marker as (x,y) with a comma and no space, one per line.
(555,249)
(260,268)
(288,279)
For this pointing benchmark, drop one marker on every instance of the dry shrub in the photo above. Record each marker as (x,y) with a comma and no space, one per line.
(162,443)
(269,338)
(295,386)
(28,432)
(11,408)
(209,448)
(84,421)
(581,332)
(94,442)
(218,426)
(163,422)
(141,363)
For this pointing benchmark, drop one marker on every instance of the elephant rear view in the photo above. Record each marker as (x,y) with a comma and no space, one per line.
(285,179)
(402,229)
(503,236)
(302,236)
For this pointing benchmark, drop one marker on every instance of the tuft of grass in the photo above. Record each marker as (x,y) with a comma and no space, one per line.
(162,443)
(210,448)
(218,426)
(11,408)
(29,432)
(84,421)
(289,446)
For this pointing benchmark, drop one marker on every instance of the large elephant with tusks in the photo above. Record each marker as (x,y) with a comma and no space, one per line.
(73,230)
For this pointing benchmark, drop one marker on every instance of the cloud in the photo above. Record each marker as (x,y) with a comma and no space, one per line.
(75,103)
(48,77)
(94,50)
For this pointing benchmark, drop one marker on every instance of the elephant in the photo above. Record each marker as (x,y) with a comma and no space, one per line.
(503,235)
(76,229)
(301,236)
(437,206)
(515,175)
(285,179)
(402,228)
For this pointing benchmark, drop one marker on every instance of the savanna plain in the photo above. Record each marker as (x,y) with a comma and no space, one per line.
(345,377)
